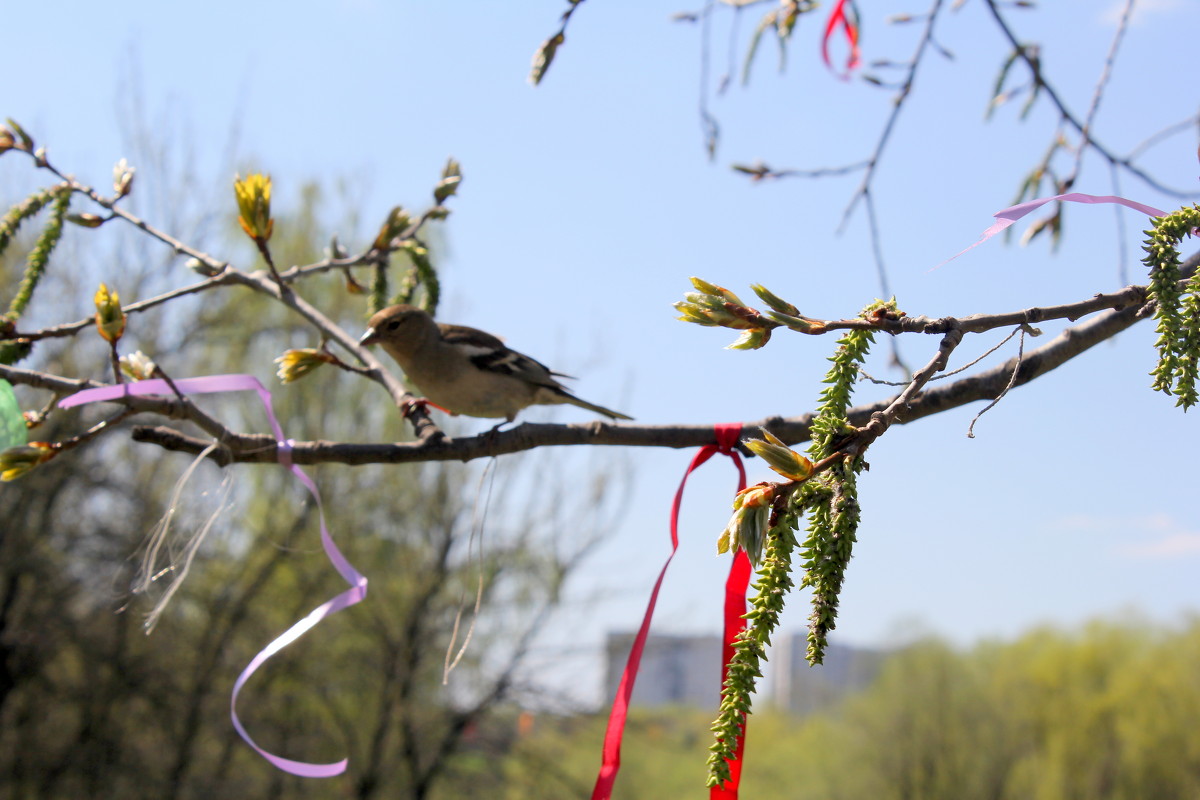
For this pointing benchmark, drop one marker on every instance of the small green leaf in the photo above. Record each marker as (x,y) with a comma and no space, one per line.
(12,423)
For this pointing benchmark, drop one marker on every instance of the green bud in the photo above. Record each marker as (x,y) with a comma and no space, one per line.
(544,56)
(295,364)
(254,205)
(448,185)
(26,139)
(780,457)
(397,222)
(775,302)
(751,339)
(85,220)
(21,460)
(110,318)
(801,324)
(122,178)
(138,366)
(693,314)
(717,291)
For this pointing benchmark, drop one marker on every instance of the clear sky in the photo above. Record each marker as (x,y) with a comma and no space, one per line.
(588,201)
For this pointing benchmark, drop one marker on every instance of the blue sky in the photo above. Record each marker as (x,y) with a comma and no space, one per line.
(588,201)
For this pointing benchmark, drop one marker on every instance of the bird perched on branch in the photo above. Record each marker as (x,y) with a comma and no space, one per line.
(465,370)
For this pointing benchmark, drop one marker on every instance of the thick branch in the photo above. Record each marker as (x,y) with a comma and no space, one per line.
(983,386)
(913,402)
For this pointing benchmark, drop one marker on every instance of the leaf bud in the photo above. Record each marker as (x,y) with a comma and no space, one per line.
(295,364)
(254,205)
(780,457)
(122,178)
(110,319)
(18,461)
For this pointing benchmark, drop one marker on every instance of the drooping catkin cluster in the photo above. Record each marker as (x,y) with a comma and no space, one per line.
(1177,308)
(831,501)
(833,523)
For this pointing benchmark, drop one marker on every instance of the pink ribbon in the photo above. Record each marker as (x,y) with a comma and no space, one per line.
(1009,215)
(358,583)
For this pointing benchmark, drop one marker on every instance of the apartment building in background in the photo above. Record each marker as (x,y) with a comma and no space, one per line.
(686,671)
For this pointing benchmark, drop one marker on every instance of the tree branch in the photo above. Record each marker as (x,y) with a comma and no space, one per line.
(1080,127)
(1125,308)
(908,406)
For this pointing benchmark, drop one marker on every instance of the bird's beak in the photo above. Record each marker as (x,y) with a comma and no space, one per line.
(369,338)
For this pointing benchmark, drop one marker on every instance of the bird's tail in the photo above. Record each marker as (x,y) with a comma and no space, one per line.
(567,397)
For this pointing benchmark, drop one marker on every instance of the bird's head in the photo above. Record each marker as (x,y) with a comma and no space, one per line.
(395,324)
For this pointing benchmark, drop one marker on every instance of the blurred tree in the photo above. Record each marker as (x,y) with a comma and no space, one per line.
(1104,713)
(92,708)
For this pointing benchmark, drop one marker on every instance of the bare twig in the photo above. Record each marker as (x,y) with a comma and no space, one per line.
(1086,131)
(944,375)
(758,171)
(1125,163)
(912,403)
(1012,380)
(1192,122)
(924,44)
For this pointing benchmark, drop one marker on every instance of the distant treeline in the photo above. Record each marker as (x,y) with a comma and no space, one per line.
(1108,712)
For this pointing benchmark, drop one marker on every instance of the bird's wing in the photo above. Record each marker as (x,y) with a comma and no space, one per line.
(489,353)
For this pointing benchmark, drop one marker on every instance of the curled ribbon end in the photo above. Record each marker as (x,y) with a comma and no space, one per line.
(358,583)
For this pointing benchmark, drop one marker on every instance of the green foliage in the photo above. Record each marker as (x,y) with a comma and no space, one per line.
(1177,309)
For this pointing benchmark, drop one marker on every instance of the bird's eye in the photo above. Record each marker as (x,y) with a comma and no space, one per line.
(392,324)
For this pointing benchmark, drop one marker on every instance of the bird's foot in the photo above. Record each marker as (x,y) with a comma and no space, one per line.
(422,404)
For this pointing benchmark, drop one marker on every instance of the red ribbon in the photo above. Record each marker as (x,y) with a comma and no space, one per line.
(850,29)
(727,435)
(735,609)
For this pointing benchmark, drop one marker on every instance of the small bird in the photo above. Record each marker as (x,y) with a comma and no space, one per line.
(465,370)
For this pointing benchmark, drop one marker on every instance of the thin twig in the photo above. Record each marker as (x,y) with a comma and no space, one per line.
(944,375)
(708,123)
(1009,385)
(1086,131)
(1192,122)
(1119,226)
(1035,70)
(897,106)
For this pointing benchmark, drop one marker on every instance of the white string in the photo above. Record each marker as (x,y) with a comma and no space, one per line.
(149,572)
(476,535)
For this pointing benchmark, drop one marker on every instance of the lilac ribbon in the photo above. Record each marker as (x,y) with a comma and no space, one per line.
(1011,214)
(358,583)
